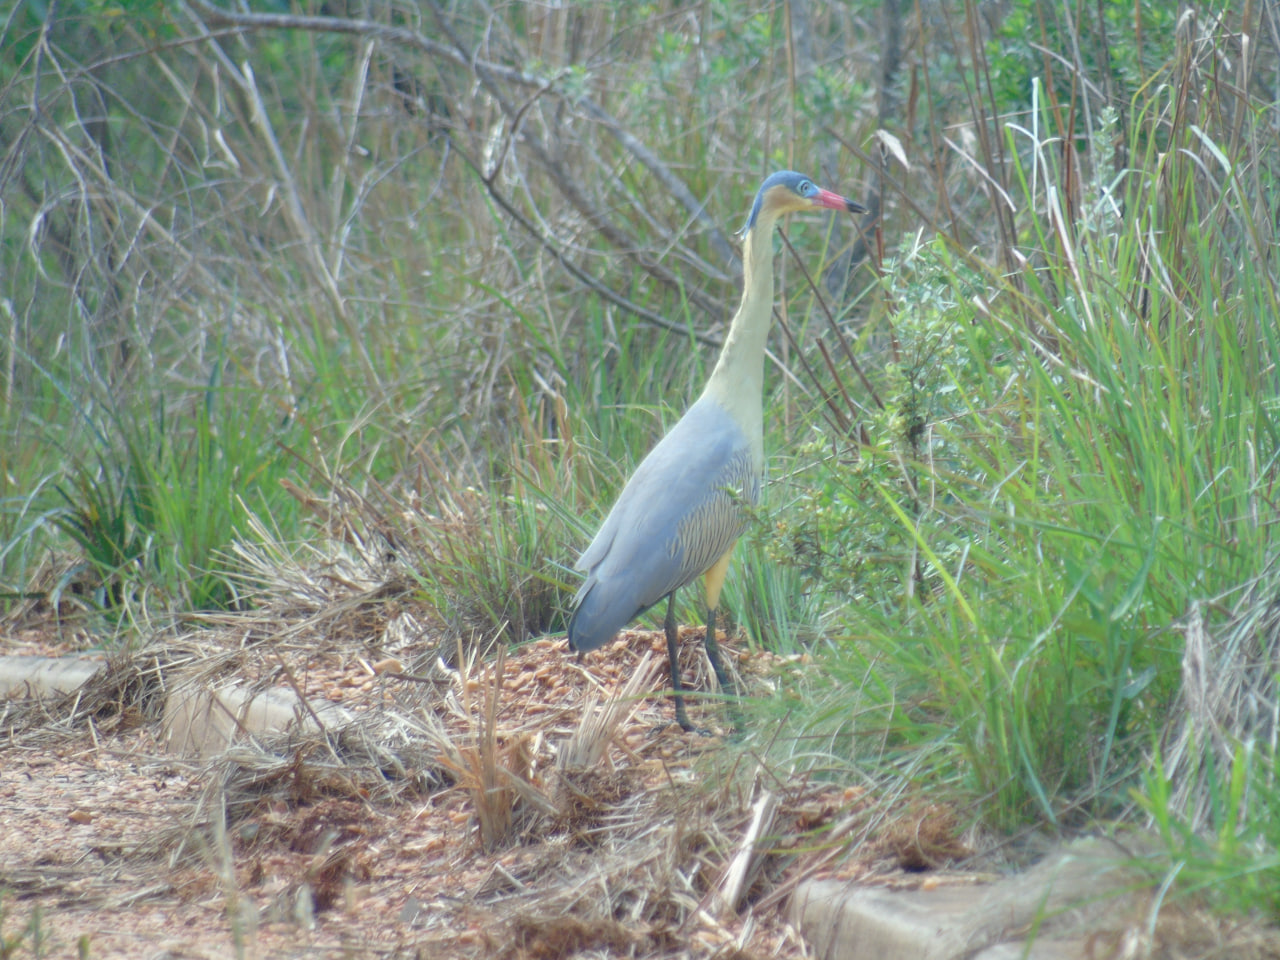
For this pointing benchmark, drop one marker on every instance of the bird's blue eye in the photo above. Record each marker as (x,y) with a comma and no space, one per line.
(806,188)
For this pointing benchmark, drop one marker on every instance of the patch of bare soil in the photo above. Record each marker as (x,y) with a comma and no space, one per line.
(526,808)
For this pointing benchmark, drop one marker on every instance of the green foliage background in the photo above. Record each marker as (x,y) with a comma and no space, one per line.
(419,283)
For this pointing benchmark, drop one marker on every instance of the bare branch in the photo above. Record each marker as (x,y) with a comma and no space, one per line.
(573,269)
(491,75)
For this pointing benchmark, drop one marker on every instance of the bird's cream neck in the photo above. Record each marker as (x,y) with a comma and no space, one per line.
(739,373)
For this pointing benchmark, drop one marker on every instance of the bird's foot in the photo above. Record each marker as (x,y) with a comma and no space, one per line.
(700,731)
(661,728)
(682,719)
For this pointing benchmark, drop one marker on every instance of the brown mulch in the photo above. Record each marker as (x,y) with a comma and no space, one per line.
(528,806)
(369,843)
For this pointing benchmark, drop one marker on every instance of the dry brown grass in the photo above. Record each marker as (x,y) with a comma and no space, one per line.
(1228,697)
(522,808)
(543,788)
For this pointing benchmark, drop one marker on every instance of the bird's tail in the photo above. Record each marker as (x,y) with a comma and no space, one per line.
(594,623)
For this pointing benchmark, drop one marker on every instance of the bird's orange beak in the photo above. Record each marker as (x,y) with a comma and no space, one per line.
(833,201)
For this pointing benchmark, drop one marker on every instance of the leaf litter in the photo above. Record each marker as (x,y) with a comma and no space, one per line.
(523,806)
(527,806)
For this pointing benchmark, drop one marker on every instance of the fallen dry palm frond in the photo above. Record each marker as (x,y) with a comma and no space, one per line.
(497,771)
(301,768)
(534,938)
(655,864)
(635,845)
(598,727)
(747,860)
(127,691)
(255,786)
(586,790)
(312,575)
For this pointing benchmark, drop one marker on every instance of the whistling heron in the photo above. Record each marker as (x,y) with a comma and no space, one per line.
(682,510)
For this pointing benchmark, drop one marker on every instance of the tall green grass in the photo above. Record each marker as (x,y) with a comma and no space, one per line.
(1073,455)
(154,498)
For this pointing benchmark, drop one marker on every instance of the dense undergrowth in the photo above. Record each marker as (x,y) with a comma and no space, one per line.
(443,278)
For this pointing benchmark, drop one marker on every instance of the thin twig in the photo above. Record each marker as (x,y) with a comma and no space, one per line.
(573,269)
(844,341)
(490,74)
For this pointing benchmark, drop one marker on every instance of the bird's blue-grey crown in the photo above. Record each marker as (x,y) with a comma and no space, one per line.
(798,183)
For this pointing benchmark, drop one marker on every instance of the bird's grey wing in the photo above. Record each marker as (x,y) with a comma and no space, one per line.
(676,516)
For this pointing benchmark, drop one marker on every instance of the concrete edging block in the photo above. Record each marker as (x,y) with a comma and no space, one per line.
(1086,886)
(200,721)
(40,677)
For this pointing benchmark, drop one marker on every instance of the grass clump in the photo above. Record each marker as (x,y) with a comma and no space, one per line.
(1076,453)
(152,496)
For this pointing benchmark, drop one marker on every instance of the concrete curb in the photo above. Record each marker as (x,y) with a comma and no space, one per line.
(1088,886)
(199,721)
(39,678)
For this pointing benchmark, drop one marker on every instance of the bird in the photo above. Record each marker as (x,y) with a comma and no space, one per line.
(683,509)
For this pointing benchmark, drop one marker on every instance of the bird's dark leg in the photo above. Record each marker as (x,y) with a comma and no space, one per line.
(722,676)
(673,654)
(713,653)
